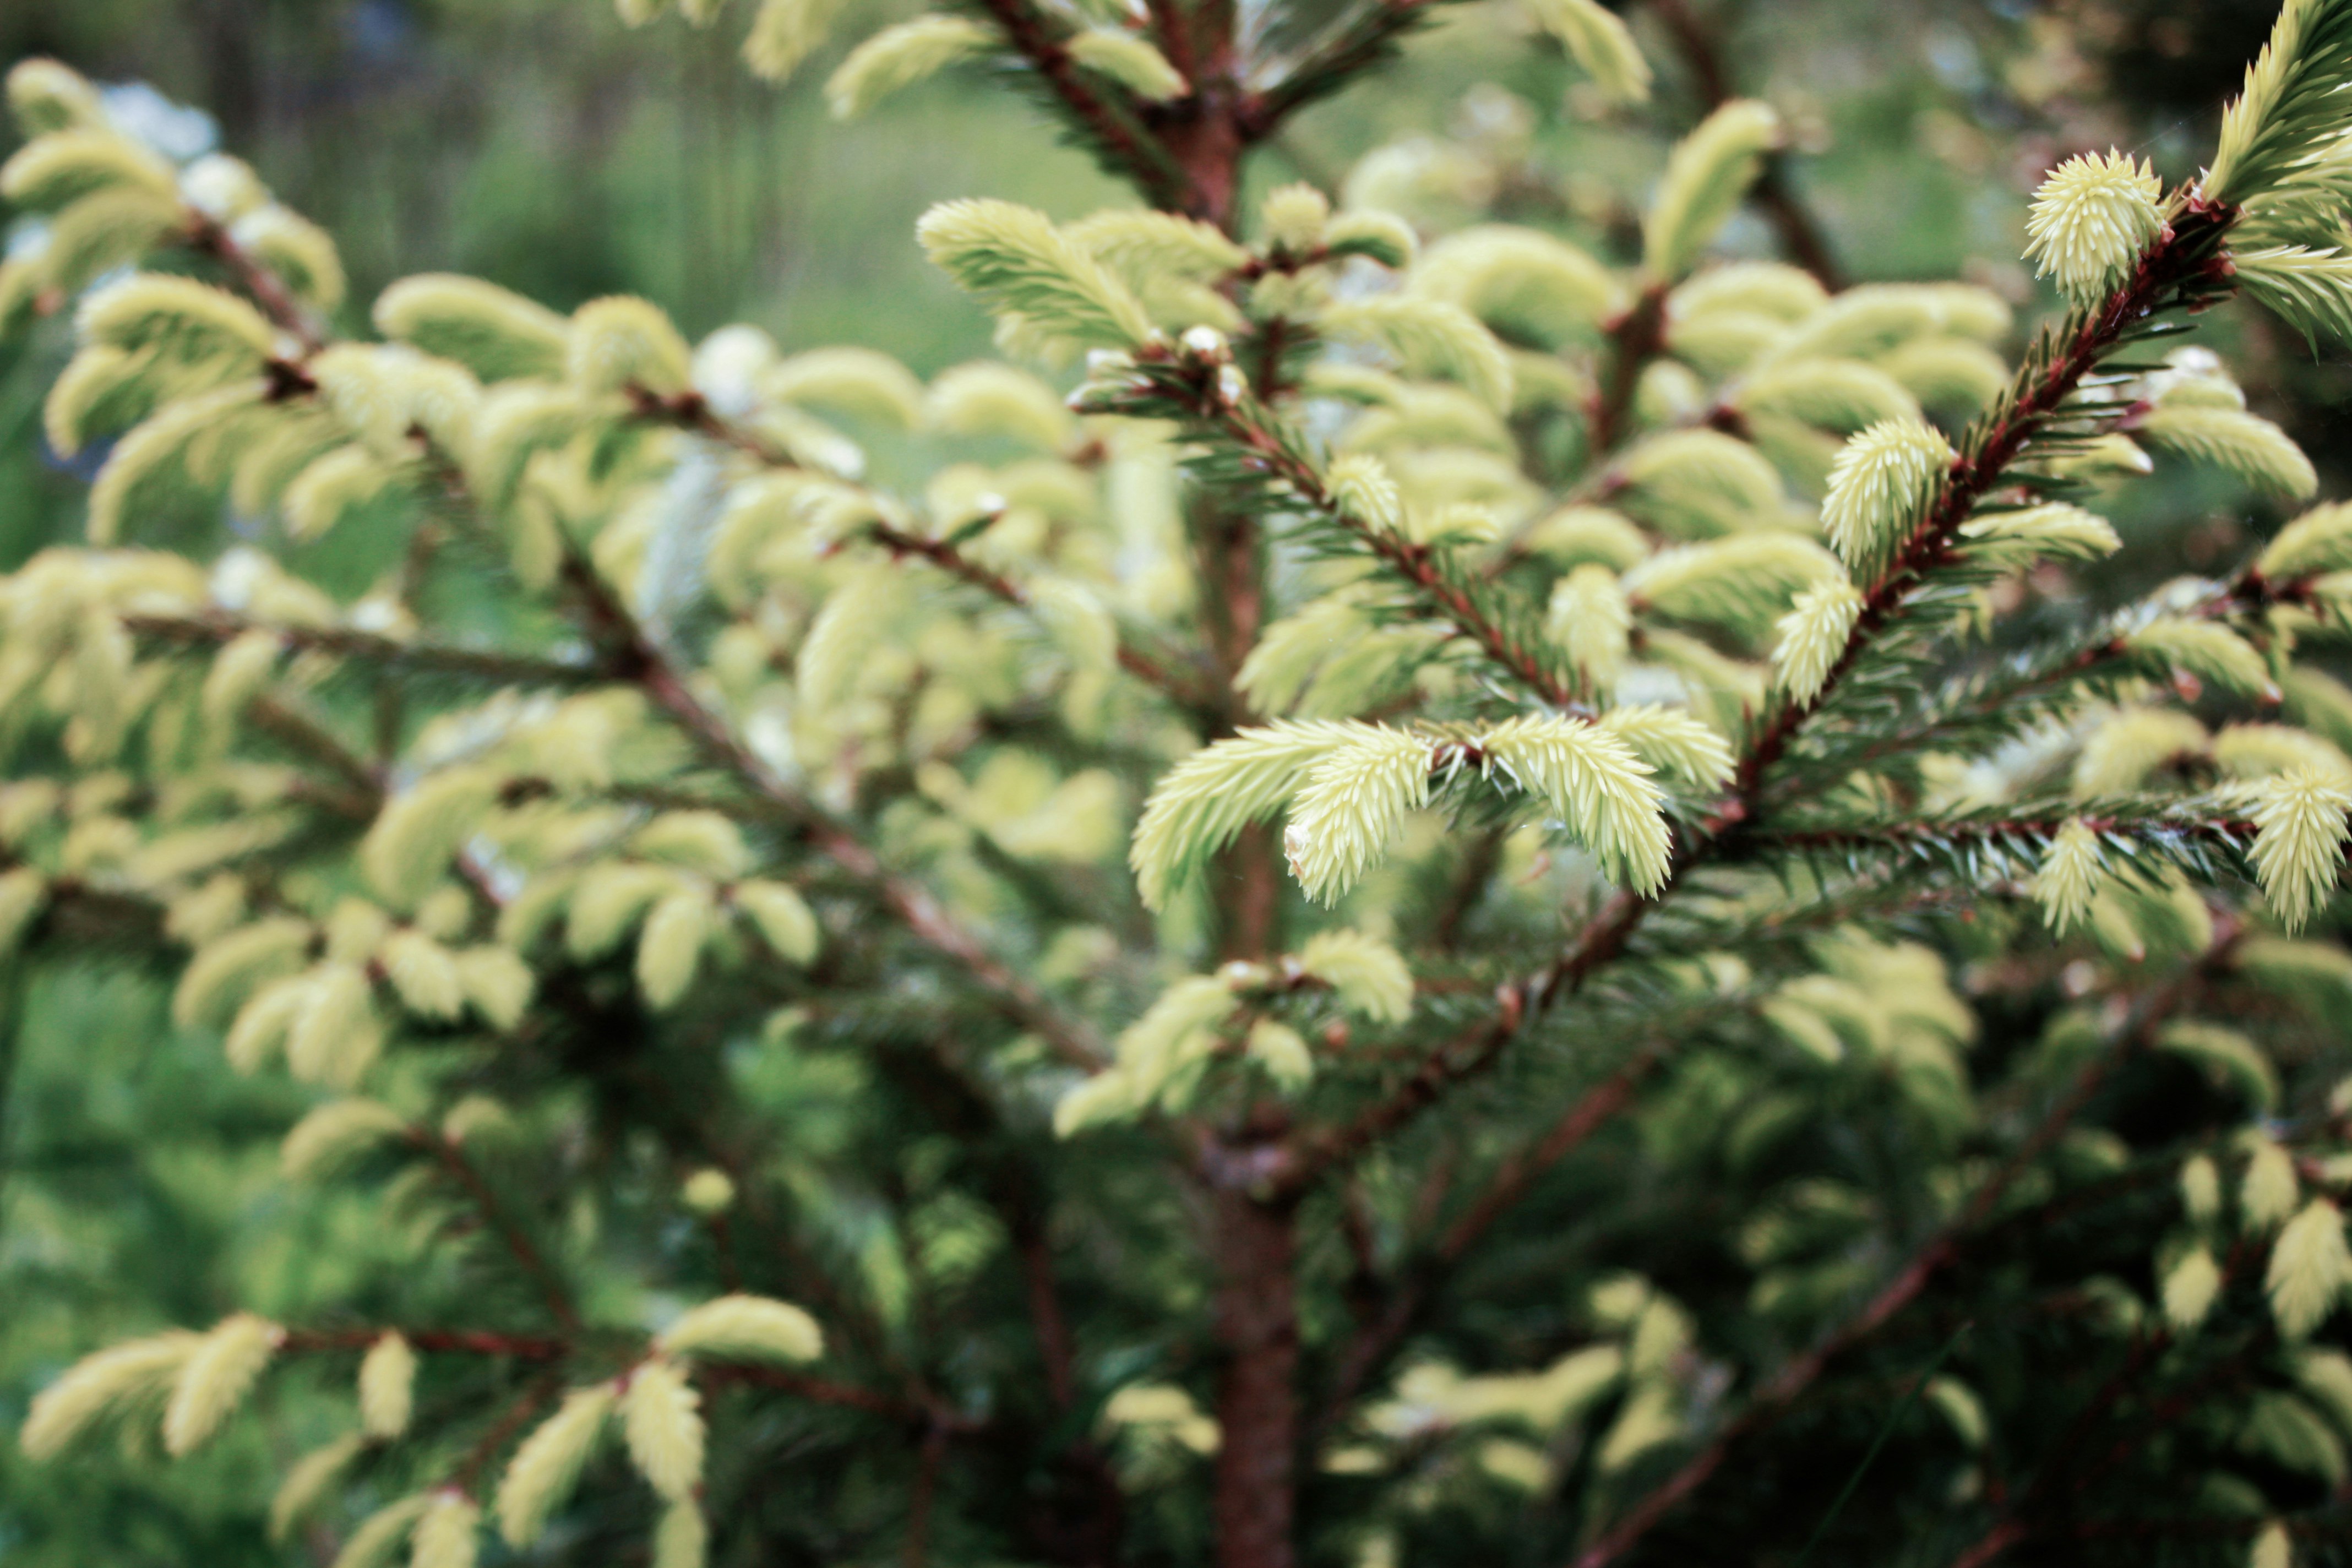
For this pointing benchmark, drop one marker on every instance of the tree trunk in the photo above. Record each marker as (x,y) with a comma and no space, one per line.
(1253,1244)
(1257,1326)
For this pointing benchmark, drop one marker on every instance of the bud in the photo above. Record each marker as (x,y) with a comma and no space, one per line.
(1362,487)
(2070,874)
(2091,219)
(1883,480)
(2299,842)
(1206,343)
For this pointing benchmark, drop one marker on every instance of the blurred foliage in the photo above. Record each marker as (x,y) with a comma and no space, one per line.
(537,144)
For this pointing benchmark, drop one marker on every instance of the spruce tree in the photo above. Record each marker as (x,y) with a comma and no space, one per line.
(1442,896)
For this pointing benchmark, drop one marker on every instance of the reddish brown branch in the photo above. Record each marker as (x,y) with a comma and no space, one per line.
(913,906)
(2184,249)
(509,1422)
(636,659)
(929,1457)
(306,737)
(816,1390)
(943,555)
(1464,1055)
(2015,1524)
(1635,339)
(1519,1172)
(207,236)
(2172,262)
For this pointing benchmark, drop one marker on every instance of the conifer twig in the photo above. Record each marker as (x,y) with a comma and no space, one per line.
(1920,833)
(944,554)
(452,1159)
(913,906)
(816,1390)
(928,1455)
(509,1422)
(1358,40)
(693,412)
(1634,338)
(1269,456)
(2035,675)
(2180,259)
(1104,120)
(360,792)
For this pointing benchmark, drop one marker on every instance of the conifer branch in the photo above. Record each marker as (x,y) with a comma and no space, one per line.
(692,411)
(1268,456)
(2173,269)
(1019,1192)
(1632,340)
(2016,1523)
(942,553)
(1998,837)
(2175,266)
(636,658)
(502,1430)
(2178,269)
(929,1454)
(552,1290)
(1464,1055)
(1786,1386)
(1476,1049)
(484,664)
(1382,1330)
(1102,119)
(1978,710)
(1357,41)
(815,1390)
(805,1273)
(360,792)
(74,911)
(209,237)
(639,660)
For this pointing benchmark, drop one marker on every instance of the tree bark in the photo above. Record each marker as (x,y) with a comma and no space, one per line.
(1257,1404)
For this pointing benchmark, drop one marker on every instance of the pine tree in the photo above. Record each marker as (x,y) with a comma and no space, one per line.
(1483,904)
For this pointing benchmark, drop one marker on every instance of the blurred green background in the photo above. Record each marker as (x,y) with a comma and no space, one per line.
(543,145)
